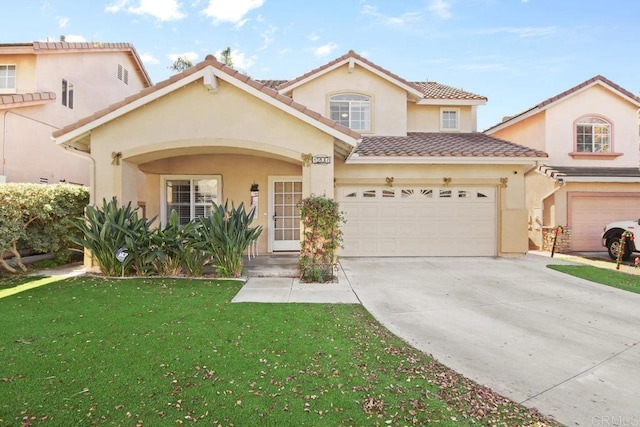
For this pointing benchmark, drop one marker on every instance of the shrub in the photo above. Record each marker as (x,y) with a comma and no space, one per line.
(108,229)
(321,219)
(38,217)
(226,235)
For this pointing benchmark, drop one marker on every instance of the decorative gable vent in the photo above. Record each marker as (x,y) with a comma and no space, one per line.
(123,74)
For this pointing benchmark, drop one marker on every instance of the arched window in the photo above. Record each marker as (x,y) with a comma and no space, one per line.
(593,135)
(351,110)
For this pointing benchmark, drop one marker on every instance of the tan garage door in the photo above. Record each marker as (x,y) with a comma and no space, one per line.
(588,214)
(418,221)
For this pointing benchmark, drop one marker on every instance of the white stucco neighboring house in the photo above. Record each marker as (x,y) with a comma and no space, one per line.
(45,86)
(592,174)
(404,159)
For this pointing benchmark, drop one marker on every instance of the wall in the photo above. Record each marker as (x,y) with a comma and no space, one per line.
(529,132)
(426,118)
(25,72)
(389,111)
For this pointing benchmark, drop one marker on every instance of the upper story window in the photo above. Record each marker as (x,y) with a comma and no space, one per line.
(7,78)
(449,119)
(351,110)
(593,135)
(67,93)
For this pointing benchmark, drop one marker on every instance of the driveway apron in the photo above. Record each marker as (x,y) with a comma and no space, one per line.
(567,346)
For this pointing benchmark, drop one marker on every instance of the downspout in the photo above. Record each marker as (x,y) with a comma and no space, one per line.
(4,142)
(92,168)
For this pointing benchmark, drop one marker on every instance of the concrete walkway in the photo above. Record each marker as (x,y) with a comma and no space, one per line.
(566,346)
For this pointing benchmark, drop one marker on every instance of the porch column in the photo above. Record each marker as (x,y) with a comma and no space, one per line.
(317,179)
(125,183)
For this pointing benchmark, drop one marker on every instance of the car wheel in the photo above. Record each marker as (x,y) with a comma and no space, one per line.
(613,246)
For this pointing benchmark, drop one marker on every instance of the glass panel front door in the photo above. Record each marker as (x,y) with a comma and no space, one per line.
(286,197)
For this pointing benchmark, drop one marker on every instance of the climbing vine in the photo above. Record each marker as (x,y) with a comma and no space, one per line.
(321,219)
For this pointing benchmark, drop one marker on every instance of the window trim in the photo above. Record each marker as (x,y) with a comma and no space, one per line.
(14,89)
(446,110)
(611,154)
(67,97)
(163,193)
(365,95)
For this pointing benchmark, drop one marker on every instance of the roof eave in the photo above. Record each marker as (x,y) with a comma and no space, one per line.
(431,101)
(489,160)
(598,179)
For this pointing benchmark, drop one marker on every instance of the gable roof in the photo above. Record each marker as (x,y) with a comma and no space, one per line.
(434,147)
(43,48)
(207,69)
(596,80)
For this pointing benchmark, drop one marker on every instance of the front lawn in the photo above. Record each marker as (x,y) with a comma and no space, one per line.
(613,278)
(164,352)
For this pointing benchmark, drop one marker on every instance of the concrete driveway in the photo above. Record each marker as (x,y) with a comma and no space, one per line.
(569,347)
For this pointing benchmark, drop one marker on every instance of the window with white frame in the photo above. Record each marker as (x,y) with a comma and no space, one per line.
(67,94)
(7,78)
(449,119)
(190,196)
(593,135)
(351,110)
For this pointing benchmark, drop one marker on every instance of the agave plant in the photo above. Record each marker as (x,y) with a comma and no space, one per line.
(108,229)
(169,247)
(226,234)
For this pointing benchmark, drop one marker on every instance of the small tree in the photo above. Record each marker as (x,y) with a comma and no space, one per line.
(180,64)
(225,57)
(321,219)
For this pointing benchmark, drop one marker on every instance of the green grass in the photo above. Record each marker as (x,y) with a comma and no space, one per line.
(159,352)
(613,278)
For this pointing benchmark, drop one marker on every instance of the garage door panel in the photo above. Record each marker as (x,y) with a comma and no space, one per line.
(417,221)
(589,213)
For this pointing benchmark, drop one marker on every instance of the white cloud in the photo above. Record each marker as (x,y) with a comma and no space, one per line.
(405,18)
(240,60)
(325,49)
(313,37)
(162,10)
(521,31)
(268,36)
(442,8)
(231,11)
(147,58)
(62,21)
(191,56)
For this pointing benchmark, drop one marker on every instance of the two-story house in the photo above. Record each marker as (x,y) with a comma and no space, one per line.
(44,86)
(592,174)
(403,159)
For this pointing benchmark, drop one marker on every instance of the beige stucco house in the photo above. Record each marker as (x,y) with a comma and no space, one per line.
(44,86)
(403,159)
(592,175)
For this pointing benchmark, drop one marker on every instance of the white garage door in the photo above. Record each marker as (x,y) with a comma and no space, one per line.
(418,221)
(588,214)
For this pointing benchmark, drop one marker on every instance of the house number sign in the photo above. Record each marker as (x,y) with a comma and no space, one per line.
(321,160)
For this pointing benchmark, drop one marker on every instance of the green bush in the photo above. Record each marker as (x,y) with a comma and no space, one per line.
(39,218)
(108,229)
(321,219)
(226,234)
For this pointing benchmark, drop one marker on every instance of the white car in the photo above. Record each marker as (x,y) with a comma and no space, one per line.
(613,232)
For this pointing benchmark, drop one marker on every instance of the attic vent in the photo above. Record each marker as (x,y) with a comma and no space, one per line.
(126,77)
(123,74)
(44,180)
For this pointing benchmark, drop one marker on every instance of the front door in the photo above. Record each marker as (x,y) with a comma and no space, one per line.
(286,195)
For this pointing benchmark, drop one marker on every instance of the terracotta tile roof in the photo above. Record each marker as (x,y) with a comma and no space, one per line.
(568,92)
(434,90)
(26,98)
(435,144)
(273,84)
(348,55)
(210,61)
(591,172)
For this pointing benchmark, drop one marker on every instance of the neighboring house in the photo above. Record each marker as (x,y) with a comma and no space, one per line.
(44,86)
(591,176)
(403,159)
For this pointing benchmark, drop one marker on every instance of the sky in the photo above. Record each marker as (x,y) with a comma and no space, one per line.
(516,53)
